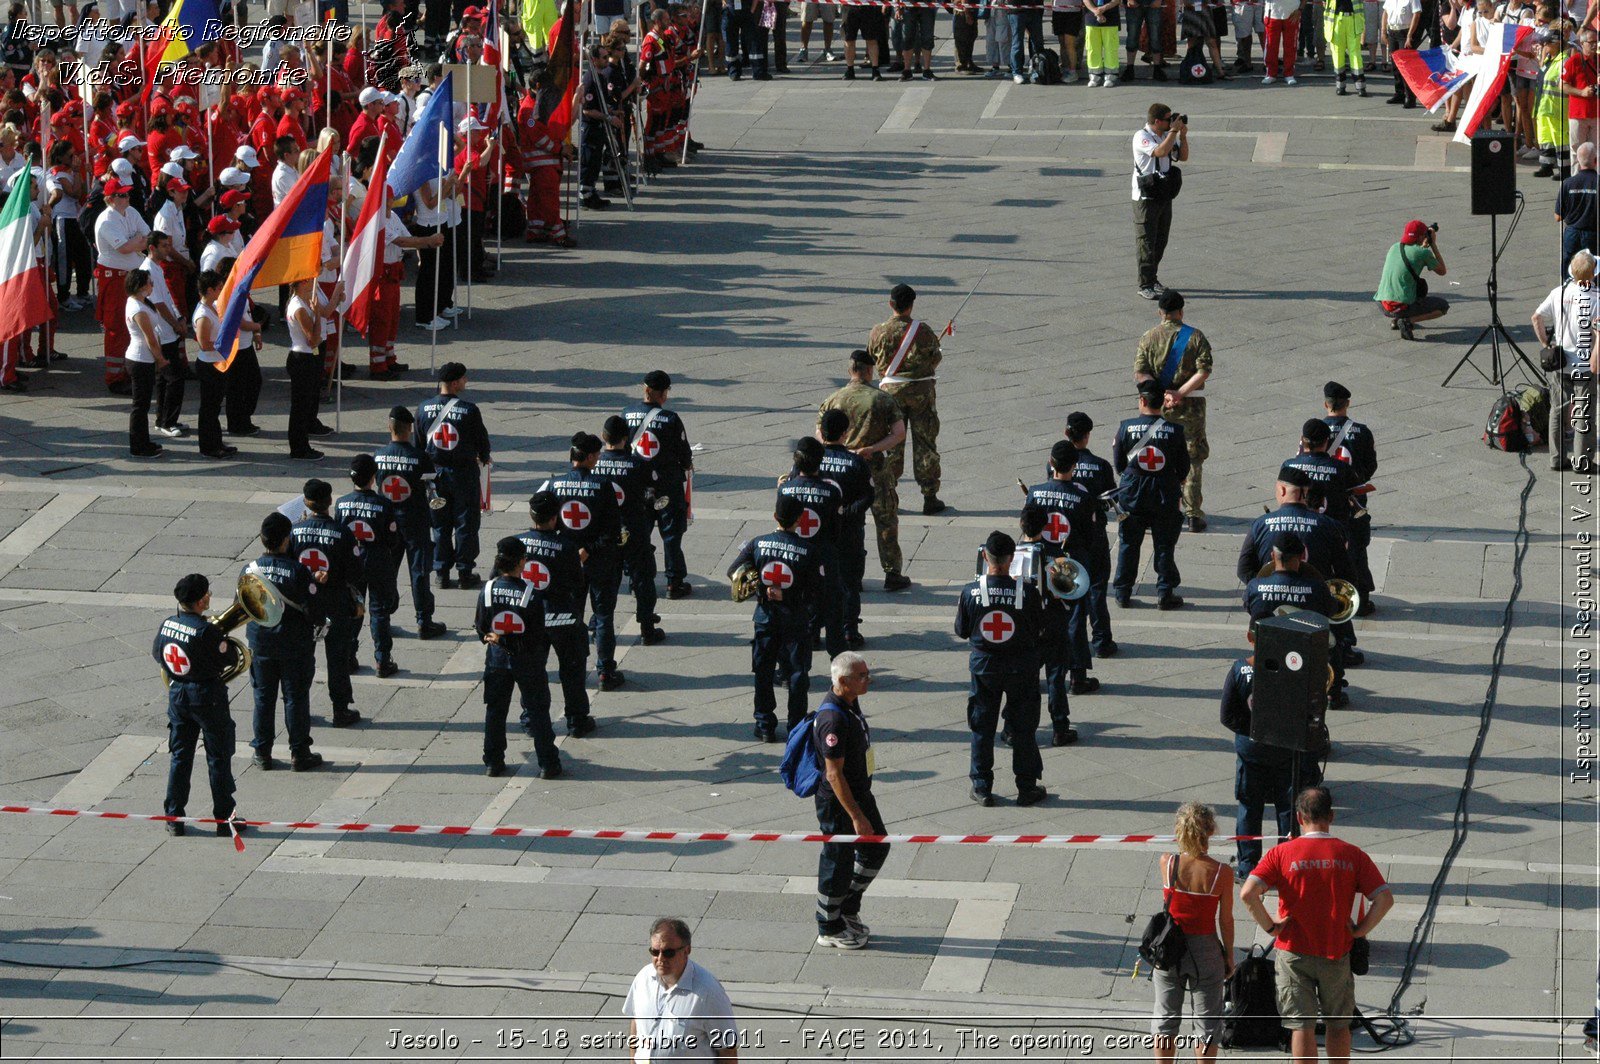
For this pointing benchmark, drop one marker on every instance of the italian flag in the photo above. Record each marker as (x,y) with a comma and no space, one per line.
(24,292)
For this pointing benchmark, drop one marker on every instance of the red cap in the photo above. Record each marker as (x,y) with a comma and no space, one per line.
(473,12)
(233,197)
(222,224)
(1415,233)
(127,107)
(177,184)
(117,188)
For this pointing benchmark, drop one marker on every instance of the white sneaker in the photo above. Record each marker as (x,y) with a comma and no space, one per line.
(1110,82)
(1291,81)
(829,57)
(846,939)
(803,57)
(170,433)
(853,923)
(1094,81)
(435,325)
(1018,79)
(452,312)
(1269,80)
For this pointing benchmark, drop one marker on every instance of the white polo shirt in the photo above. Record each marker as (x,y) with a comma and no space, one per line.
(114,229)
(284,177)
(1569,312)
(1145,142)
(161,295)
(680,1023)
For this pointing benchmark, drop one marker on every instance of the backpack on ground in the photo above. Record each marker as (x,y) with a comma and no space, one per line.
(1046,67)
(1534,402)
(801,769)
(1250,1004)
(1194,70)
(1503,430)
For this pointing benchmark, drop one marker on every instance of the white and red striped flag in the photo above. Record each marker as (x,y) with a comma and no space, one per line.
(1490,78)
(363,255)
(24,291)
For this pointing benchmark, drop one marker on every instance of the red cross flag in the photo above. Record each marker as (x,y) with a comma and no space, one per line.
(1151,460)
(777,575)
(576,516)
(996,627)
(177,661)
(395,488)
(314,560)
(647,445)
(506,622)
(536,573)
(1057,528)
(362,531)
(1343,454)
(808,523)
(444,436)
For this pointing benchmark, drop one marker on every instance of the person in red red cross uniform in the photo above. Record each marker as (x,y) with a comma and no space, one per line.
(655,71)
(544,160)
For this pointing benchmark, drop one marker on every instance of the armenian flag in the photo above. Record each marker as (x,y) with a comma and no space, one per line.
(287,248)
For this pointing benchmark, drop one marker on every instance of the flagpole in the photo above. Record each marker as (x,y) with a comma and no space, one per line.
(88,162)
(327,93)
(444,131)
(580,42)
(338,327)
(694,83)
(466,197)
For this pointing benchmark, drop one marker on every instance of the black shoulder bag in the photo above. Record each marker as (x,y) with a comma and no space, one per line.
(1164,946)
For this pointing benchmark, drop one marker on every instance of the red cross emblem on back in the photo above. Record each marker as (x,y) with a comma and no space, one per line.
(536,573)
(647,445)
(1151,460)
(445,436)
(777,575)
(362,531)
(1057,528)
(808,523)
(616,489)
(1343,454)
(575,515)
(177,661)
(997,627)
(395,488)
(506,622)
(314,560)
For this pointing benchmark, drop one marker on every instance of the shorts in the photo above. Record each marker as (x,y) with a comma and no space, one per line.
(1520,83)
(1424,305)
(866,22)
(1219,22)
(1248,19)
(1066,23)
(916,28)
(1309,987)
(1201,971)
(809,13)
(1373,10)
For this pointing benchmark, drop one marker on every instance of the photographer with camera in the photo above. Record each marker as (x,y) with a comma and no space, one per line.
(1163,140)
(1402,293)
(1569,359)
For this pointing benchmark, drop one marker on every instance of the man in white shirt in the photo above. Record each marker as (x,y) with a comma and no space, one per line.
(1163,140)
(677,1010)
(1402,25)
(1570,310)
(120,236)
(284,175)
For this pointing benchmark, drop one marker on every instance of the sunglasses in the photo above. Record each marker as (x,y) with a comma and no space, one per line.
(667,953)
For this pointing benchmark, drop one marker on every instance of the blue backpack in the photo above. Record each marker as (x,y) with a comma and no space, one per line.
(801,769)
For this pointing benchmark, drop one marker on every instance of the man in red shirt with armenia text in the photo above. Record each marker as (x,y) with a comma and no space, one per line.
(1317,878)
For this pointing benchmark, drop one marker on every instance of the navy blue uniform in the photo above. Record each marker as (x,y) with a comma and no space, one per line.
(1056,631)
(1150,492)
(788,565)
(1334,478)
(322,544)
(552,567)
(1264,594)
(450,431)
(404,474)
(1069,511)
(853,475)
(1095,475)
(591,519)
(633,483)
(1323,539)
(1358,450)
(510,608)
(844,870)
(1000,617)
(1262,773)
(657,435)
(373,520)
(819,524)
(192,653)
(285,656)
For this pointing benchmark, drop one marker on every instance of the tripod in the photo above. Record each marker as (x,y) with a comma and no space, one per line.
(1495,331)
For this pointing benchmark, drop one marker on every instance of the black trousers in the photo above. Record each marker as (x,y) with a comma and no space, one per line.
(1397,41)
(964,34)
(143,375)
(72,258)
(305,391)
(1152,222)
(170,385)
(244,387)
(436,275)
(213,392)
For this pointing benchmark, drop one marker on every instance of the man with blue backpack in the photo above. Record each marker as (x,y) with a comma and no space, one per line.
(829,757)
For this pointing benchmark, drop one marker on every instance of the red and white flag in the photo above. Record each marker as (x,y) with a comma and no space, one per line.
(1490,78)
(24,291)
(363,255)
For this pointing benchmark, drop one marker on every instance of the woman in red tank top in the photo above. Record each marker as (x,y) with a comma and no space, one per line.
(1199,893)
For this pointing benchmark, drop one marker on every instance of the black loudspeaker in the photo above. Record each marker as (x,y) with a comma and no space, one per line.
(1494,173)
(1289,695)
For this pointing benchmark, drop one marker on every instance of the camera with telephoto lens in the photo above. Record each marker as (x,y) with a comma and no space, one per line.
(1180,118)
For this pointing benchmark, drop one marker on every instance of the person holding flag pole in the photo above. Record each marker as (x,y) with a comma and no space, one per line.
(24,289)
(420,167)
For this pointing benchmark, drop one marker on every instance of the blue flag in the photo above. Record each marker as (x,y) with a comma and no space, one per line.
(419,160)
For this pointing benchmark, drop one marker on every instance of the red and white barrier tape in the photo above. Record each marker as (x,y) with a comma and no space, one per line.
(612,835)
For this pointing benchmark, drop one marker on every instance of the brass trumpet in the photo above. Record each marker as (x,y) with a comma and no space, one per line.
(254,600)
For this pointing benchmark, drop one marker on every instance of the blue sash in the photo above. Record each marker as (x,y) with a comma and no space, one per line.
(1180,343)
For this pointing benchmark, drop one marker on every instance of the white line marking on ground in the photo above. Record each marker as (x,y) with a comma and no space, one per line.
(106,772)
(46,522)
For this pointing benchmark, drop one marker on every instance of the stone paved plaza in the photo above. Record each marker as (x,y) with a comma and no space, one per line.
(749,276)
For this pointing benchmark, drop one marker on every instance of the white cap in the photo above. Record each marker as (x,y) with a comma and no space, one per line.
(234,177)
(172,169)
(247,155)
(389,98)
(128,142)
(123,168)
(370,95)
(182,154)
(38,177)
(470,124)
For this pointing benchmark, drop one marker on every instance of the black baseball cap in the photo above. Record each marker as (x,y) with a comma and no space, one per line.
(657,380)
(401,416)
(1316,431)
(191,589)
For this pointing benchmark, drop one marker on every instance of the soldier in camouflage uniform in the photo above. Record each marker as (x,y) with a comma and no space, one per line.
(877,427)
(909,380)
(1183,375)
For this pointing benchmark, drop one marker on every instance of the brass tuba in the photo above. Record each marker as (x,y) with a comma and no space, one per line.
(254,600)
